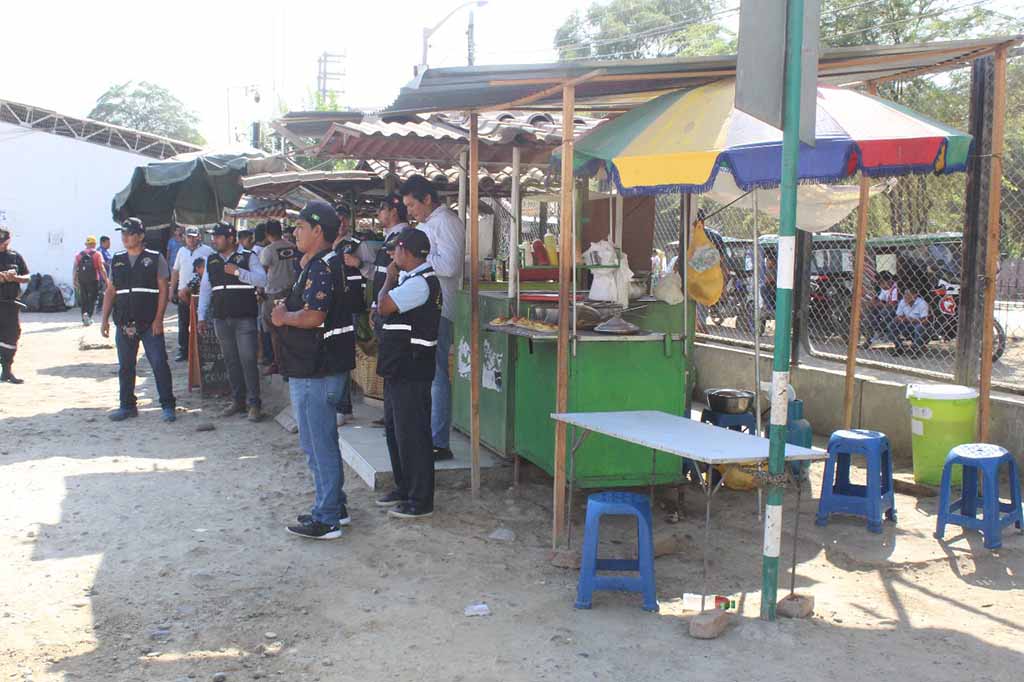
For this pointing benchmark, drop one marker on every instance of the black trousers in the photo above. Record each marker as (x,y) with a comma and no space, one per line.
(184,320)
(407,428)
(89,291)
(10,331)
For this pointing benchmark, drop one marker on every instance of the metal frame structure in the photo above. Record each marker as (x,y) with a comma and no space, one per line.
(96,132)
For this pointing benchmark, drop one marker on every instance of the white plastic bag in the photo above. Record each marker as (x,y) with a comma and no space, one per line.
(669,289)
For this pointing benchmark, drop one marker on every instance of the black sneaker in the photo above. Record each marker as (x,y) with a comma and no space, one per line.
(182,356)
(344,520)
(442,454)
(392,499)
(11,379)
(407,510)
(316,531)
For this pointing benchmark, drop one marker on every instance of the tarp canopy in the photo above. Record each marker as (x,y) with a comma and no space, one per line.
(191,189)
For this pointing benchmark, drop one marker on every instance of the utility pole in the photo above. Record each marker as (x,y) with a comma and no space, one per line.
(470,45)
(330,70)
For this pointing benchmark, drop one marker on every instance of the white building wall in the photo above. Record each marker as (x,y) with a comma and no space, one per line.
(55,191)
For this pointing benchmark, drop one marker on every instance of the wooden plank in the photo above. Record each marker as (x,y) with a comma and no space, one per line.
(559,84)
(992,250)
(474,298)
(858,290)
(565,259)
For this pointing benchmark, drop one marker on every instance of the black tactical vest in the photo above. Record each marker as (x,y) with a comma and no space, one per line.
(136,287)
(381,263)
(408,341)
(355,283)
(230,296)
(325,350)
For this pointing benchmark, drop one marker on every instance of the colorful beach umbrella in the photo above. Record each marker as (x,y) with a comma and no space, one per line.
(680,141)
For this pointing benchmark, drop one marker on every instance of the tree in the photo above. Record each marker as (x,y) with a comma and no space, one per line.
(638,29)
(147,107)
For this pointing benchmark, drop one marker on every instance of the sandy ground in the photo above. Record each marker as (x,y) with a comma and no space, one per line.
(146,551)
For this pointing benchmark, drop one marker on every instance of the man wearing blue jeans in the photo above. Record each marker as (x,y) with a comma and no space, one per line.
(447,254)
(316,344)
(137,295)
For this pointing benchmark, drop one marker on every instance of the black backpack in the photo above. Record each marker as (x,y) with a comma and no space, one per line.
(86,268)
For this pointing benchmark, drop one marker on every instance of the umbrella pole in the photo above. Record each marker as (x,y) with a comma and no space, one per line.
(757,342)
(783,309)
(858,290)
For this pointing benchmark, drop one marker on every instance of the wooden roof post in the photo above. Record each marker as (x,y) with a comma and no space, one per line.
(513,232)
(858,289)
(992,250)
(565,260)
(474,303)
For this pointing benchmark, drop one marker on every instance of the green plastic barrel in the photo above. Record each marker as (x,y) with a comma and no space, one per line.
(942,416)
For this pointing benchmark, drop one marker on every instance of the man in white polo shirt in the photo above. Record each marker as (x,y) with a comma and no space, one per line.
(182,272)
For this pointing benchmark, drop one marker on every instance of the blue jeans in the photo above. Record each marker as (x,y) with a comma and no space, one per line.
(127,358)
(900,329)
(315,404)
(441,389)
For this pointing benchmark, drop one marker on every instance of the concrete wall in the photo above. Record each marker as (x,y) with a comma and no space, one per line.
(55,191)
(879,401)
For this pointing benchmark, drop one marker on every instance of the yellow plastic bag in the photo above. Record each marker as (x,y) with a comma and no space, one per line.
(704,268)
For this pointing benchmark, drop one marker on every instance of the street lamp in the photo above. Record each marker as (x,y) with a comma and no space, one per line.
(427,32)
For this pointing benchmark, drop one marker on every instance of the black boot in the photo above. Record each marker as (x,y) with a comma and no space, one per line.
(8,377)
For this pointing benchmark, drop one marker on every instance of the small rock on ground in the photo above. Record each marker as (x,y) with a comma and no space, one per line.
(795,606)
(709,624)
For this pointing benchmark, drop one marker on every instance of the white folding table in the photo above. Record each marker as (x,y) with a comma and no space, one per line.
(680,436)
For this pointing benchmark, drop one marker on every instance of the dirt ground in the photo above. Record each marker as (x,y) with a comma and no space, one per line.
(147,551)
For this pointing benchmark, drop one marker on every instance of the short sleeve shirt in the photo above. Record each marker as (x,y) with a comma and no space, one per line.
(97,261)
(318,293)
(890,295)
(917,311)
(411,292)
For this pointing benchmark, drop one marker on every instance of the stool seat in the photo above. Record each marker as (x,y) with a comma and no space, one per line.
(617,504)
(839,496)
(986,459)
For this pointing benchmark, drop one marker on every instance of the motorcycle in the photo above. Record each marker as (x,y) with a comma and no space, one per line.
(944,306)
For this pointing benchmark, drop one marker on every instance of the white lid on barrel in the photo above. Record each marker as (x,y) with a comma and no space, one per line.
(941,392)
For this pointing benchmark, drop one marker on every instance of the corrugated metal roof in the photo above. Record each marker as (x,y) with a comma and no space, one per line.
(619,85)
(435,138)
(446,178)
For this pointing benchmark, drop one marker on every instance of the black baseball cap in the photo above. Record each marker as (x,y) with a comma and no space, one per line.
(321,213)
(5,234)
(224,230)
(132,226)
(414,241)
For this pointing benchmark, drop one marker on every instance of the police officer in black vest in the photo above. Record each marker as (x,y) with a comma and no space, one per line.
(137,295)
(13,273)
(351,252)
(393,215)
(316,345)
(410,311)
(227,294)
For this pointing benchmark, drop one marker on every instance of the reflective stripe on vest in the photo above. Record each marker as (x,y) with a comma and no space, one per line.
(382,268)
(229,286)
(354,277)
(341,330)
(138,290)
(398,327)
(423,342)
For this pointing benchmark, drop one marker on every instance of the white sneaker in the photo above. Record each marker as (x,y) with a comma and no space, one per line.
(342,419)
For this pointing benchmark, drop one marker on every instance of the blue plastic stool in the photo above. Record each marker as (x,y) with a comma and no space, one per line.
(963,512)
(735,422)
(839,496)
(617,504)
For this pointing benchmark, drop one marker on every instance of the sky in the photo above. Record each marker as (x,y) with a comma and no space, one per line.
(206,53)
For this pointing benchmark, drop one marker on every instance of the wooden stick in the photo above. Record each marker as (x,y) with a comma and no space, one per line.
(992,248)
(474,303)
(858,289)
(558,86)
(565,258)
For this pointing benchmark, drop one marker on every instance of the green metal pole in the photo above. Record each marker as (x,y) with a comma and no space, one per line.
(783,307)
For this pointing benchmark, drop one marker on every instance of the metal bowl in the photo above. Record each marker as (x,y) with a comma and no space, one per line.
(729,400)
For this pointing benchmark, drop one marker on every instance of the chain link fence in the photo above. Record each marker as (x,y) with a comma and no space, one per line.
(914,261)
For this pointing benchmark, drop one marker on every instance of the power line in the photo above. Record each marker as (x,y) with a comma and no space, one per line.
(919,17)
